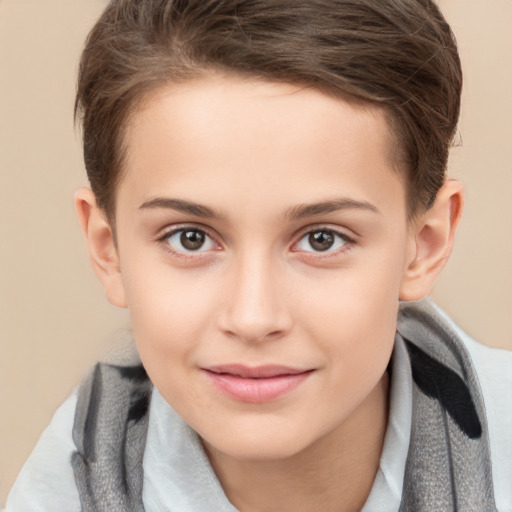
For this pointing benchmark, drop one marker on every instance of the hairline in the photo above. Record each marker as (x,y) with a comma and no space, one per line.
(198,73)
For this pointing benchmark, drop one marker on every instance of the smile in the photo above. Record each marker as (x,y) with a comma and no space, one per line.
(256,385)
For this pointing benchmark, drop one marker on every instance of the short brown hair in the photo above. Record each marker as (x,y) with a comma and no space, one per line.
(397,53)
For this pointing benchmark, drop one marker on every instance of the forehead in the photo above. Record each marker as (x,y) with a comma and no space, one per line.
(235,137)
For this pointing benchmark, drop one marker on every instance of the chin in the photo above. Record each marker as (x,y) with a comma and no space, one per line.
(260,443)
(259,451)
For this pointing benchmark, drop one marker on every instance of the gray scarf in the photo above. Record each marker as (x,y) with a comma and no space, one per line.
(448,465)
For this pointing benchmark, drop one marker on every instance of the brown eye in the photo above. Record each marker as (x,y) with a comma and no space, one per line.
(189,240)
(192,240)
(321,240)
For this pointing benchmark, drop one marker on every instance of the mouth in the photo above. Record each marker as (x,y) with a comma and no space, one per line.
(256,384)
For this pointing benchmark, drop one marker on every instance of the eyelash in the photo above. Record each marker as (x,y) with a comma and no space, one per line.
(348,242)
(163,239)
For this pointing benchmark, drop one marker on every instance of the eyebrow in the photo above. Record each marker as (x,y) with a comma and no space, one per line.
(310,210)
(295,213)
(181,205)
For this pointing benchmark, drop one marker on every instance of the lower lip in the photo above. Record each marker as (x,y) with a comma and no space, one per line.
(257,391)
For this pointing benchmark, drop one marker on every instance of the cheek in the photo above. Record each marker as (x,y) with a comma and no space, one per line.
(358,335)
(354,313)
(158,294)
(362,297)
(170,313)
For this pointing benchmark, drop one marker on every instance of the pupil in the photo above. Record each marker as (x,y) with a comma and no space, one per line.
(192,240)
(321,240)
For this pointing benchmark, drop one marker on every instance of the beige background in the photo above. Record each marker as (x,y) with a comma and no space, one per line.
(54,320)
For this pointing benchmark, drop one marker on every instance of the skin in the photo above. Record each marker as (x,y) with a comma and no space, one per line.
(242,162)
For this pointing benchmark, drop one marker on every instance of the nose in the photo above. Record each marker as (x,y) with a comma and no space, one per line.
(256,307)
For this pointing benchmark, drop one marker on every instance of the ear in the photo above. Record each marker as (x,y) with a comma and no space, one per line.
(101,244)
(431,241)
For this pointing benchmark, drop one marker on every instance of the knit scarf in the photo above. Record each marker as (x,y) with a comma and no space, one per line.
(448,465)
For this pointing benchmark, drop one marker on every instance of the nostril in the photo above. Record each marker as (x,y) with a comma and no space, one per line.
(253,332)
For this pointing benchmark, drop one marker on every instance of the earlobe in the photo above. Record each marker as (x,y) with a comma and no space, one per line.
(432,237)
(101,245)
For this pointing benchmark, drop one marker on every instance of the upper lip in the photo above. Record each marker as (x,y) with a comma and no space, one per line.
(255,372)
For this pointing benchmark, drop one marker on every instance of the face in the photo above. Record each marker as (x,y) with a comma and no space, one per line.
(262,240)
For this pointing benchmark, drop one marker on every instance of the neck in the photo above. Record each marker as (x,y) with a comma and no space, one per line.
(335,473)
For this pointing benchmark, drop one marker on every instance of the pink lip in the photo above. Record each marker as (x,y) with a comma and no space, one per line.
(258,384)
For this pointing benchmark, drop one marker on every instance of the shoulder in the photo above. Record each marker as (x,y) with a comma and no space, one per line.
(46,481)
(493,367)
(485,370)
(109,401)
(494,370)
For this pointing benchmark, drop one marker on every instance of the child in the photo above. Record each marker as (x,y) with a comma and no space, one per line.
(267,183)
